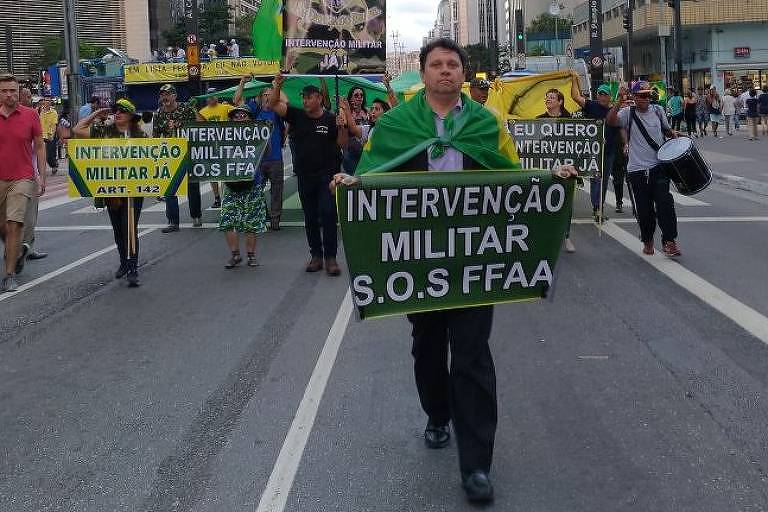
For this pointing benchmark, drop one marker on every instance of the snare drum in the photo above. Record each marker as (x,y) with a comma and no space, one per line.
(684,165)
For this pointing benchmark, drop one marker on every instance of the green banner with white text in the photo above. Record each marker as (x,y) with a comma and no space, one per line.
(225,151)
(425,241)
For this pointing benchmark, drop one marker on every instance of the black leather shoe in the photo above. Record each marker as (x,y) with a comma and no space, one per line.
(35,255)
(478,486)
(121,271)
(437,436)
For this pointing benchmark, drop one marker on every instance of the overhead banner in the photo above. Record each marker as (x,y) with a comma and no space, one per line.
(225,151)
(424,241)
(335,37)
(127,167)
(549,143)
(216,69)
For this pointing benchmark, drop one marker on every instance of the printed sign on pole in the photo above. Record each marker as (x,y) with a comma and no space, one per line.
(425,241)
(546,143)
(127,167)
(335,37)
(225,151)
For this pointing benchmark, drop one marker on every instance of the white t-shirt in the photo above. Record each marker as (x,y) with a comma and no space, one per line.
(641,155)
(729,105)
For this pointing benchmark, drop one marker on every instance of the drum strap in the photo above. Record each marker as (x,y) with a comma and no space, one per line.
(641,127)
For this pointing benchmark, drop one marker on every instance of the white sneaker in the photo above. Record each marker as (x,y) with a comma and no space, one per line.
(569,247)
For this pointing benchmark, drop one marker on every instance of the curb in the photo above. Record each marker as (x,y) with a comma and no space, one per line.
(737,182)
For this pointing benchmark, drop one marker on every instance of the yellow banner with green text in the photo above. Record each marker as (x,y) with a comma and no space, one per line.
(211,70)
(127,167)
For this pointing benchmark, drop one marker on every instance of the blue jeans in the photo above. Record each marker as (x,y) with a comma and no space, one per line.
(195,208)
(594,183)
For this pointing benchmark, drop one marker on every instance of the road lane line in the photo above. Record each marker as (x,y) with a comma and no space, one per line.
(610,198)
(750,320)
(280,482)
(66,268)
(57,201)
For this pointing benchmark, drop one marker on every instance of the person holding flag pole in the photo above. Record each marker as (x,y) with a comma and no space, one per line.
(441,129)
(123,212)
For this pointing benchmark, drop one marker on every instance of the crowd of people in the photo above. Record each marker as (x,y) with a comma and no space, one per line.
(209,51)
(705,109)
(327,148)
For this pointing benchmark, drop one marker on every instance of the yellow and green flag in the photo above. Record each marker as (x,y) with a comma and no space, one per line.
(267,31)
(408,129)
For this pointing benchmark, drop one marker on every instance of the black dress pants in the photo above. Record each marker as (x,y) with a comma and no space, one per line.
(319,208)
(653,202)
(118,216)
(466,393)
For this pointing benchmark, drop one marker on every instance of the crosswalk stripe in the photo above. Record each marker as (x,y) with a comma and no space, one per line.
(681,200)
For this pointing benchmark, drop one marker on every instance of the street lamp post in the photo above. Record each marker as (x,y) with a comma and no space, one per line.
(554,10)
(72,51)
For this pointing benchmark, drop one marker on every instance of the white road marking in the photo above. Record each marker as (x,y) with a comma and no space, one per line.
(57,201)
(107,227)
(688,220)
(750,320)
(66,268)
(610,197)
(160,206)
(284,471)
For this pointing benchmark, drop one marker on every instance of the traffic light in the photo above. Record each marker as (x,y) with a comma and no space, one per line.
(519,31)
(628,21)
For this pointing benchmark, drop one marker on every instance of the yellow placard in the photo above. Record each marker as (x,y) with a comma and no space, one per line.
(127,167)
(211,70)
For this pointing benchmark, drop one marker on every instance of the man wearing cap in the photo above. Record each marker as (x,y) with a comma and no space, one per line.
(598,109)
(21,128)
(478,90)
(648,183)
(214,110)
(170,116)
(317,136)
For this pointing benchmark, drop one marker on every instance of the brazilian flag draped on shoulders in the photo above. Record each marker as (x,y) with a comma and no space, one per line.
(408,129)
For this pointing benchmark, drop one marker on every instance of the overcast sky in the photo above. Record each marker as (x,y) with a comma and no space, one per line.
(412,19)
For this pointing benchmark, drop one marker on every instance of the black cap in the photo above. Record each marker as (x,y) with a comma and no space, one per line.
(480,83)
(310,89)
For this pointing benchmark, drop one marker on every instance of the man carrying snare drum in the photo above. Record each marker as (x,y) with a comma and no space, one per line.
(647,128)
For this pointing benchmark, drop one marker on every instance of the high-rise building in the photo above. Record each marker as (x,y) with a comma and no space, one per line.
(120,24)
(724,42)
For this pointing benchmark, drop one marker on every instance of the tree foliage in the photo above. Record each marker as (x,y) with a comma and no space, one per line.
(214,20)
(538,51)
(243,26)
(479,59)
(52,51)
(545,23)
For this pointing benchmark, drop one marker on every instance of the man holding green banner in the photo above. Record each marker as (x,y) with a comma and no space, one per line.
(441,129)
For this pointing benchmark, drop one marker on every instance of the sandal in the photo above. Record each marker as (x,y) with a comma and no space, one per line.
(252,261)
(234,261)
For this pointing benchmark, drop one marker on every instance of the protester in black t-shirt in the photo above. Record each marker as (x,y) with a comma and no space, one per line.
(316,138)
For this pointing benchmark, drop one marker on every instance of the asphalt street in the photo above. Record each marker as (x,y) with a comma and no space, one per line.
(638,386)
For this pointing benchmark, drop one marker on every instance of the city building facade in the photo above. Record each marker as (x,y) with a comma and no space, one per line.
(119,24)
(724,43)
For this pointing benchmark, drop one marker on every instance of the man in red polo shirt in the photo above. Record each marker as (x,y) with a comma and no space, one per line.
(19,128)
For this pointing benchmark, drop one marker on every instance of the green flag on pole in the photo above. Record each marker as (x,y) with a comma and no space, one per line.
(267,31)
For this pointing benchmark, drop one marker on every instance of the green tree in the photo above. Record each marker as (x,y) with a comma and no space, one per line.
(52,51)
(214,20)
(176,35)
(479,59)
(545,23)
(243,25)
